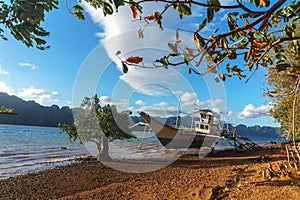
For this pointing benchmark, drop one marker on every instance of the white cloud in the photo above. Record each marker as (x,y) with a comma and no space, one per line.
(210,103)
(188,99)
(230,113)
(217,110)
(120,33)
(155,82)
(30,65)
(121,103)
(140,102)
(5,88)
(250,111)
(55,93)
(39,95)
(2,71)
(159,109)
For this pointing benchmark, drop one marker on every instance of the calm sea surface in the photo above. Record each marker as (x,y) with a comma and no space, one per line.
(25,149)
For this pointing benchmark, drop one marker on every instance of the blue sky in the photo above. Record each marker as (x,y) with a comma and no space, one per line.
(82,61)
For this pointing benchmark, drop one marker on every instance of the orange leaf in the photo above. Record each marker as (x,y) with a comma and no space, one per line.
(262,3)
(134,59)
(269,94)
(189,51)
(222,76)
(276,20)
(249,29)
(133,10)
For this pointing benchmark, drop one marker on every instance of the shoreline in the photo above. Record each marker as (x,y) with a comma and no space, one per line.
(223,175)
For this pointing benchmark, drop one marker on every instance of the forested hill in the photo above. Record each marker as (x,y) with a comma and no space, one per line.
(32,113)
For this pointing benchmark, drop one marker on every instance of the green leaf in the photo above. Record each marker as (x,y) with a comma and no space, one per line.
(217,3)
(217,79)
(245,15)
(172,48)
(215,31)
(79,15)
(164,62)
(186,58)
(177,35)
(118,3)
(280,56)
(183,9)
(118,53)
(9,110)
(107,9)
(77,7)
(202,25)
(125,68)
(231,23)
(210,14)
(200,42)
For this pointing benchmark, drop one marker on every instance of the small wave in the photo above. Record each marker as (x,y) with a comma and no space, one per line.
(54,156)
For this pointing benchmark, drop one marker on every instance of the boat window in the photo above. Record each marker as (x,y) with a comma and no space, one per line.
(202,126)
(206,127)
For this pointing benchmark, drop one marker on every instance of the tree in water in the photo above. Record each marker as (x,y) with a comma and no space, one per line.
(98,124)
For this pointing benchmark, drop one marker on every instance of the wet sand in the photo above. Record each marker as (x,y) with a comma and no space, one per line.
(222,175)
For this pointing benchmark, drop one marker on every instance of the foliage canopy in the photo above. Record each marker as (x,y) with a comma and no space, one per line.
(255,36)
(23,19)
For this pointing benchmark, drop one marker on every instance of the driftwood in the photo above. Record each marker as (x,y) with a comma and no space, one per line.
(289,168)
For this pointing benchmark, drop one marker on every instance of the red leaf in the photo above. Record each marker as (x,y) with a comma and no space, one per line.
(133,10)
(134,59)
(150,17)
(189,51)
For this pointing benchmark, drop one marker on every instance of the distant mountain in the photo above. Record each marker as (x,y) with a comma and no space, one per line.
(32,113)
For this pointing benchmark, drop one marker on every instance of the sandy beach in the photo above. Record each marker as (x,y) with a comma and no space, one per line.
(222,175)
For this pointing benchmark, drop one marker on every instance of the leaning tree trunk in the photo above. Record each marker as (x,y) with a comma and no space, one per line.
(103,151)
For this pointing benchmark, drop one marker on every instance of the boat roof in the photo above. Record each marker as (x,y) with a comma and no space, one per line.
(206,112)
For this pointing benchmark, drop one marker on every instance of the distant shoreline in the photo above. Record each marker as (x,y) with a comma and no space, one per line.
(29,125)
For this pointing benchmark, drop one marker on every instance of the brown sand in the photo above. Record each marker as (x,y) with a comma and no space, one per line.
(224,175)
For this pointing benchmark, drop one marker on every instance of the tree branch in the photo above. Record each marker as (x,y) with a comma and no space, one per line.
(191,2)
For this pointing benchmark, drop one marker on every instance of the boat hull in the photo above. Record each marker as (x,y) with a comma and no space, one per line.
(174,138)
(172,143)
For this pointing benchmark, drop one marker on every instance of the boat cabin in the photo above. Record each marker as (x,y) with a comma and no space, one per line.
(205,120)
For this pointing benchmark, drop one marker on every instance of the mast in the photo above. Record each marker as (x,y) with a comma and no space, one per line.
(193,115)
(178,113)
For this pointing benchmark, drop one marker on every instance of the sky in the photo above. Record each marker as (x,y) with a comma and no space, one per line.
(82,62)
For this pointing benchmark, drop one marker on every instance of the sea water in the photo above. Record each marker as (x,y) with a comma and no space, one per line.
(25,149)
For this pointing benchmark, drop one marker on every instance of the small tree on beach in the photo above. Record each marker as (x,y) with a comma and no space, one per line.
(98,124)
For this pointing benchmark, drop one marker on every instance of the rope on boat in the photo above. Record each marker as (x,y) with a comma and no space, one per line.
(239,142)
